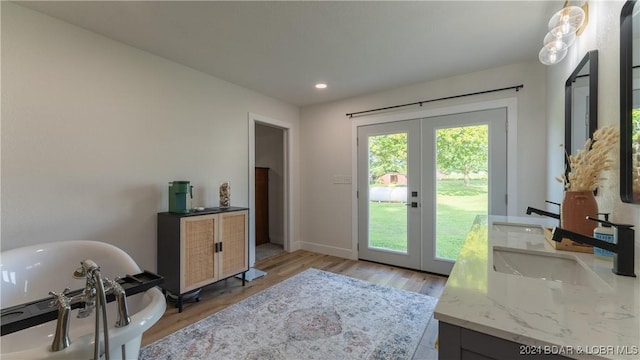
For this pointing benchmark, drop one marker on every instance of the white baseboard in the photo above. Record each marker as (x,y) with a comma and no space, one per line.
(327,250)
(294,246)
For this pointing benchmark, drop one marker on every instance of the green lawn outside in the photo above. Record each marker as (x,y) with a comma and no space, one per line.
(388,226)
(457,206)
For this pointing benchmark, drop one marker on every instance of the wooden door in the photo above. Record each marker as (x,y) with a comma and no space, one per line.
(262,205)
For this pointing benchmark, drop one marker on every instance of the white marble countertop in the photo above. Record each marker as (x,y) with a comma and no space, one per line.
(601,321)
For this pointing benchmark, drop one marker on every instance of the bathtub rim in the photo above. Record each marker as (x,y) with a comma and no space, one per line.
(140,321)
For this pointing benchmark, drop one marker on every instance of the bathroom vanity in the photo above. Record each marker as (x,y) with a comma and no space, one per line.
(512,295)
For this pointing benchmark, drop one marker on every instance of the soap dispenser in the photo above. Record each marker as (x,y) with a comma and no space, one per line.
(603,232)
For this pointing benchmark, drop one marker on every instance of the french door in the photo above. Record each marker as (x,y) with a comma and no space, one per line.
(422,182)
(388,193)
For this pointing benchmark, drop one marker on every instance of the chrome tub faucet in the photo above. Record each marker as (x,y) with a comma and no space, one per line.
(88,295)
(121,301)
(93,296)
(61,338)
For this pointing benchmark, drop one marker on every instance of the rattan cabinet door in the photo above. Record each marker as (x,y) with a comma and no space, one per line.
(234,251)
(197,252)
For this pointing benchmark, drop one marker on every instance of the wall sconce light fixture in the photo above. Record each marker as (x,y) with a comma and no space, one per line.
(564,26)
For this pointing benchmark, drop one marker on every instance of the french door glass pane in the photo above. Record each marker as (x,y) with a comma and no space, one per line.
(461,185)
(388,192)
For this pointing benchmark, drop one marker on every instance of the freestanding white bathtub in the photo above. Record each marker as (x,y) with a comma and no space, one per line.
(30,272)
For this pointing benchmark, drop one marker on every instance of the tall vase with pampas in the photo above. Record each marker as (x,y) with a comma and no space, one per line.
(574,209)
(584,177)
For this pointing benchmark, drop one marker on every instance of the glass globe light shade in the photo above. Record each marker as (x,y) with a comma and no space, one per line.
(549,56)
(567,20)
(555,44)
(556,33)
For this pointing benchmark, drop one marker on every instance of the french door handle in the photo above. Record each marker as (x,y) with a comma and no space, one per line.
(413,204)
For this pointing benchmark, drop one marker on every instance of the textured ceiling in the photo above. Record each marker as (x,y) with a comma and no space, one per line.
(282,49)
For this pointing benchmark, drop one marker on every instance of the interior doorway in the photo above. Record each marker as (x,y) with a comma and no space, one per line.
(269,194)
(269,191)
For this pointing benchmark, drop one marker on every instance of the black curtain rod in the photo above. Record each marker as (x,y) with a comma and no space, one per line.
(517,88)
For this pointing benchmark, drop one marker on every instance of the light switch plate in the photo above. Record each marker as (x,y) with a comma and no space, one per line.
(341,179)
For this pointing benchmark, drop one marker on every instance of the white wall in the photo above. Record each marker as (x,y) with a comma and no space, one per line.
(326,135)
(603,34)
(93,130)
(269,154)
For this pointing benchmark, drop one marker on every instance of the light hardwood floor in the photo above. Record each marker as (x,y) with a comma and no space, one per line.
(227,292)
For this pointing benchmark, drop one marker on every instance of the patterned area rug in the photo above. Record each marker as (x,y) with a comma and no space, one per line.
(313,315)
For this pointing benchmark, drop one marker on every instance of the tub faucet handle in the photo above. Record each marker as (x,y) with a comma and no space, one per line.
(58,294)
(62,301)
(121,300)
(60,298)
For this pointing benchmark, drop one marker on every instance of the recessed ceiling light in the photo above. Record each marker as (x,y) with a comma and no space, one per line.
(321,86)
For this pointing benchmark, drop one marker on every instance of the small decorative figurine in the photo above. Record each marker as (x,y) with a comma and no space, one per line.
(225,194)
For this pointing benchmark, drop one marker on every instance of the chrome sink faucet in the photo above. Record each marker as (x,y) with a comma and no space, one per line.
(623,257)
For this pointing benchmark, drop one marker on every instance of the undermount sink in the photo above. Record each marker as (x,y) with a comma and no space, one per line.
(562,268)
(515,227)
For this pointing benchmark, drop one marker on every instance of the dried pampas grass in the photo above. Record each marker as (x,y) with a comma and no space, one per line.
(586,167)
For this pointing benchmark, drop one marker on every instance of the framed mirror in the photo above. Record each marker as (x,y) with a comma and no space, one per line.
(630,103)
(581,105)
